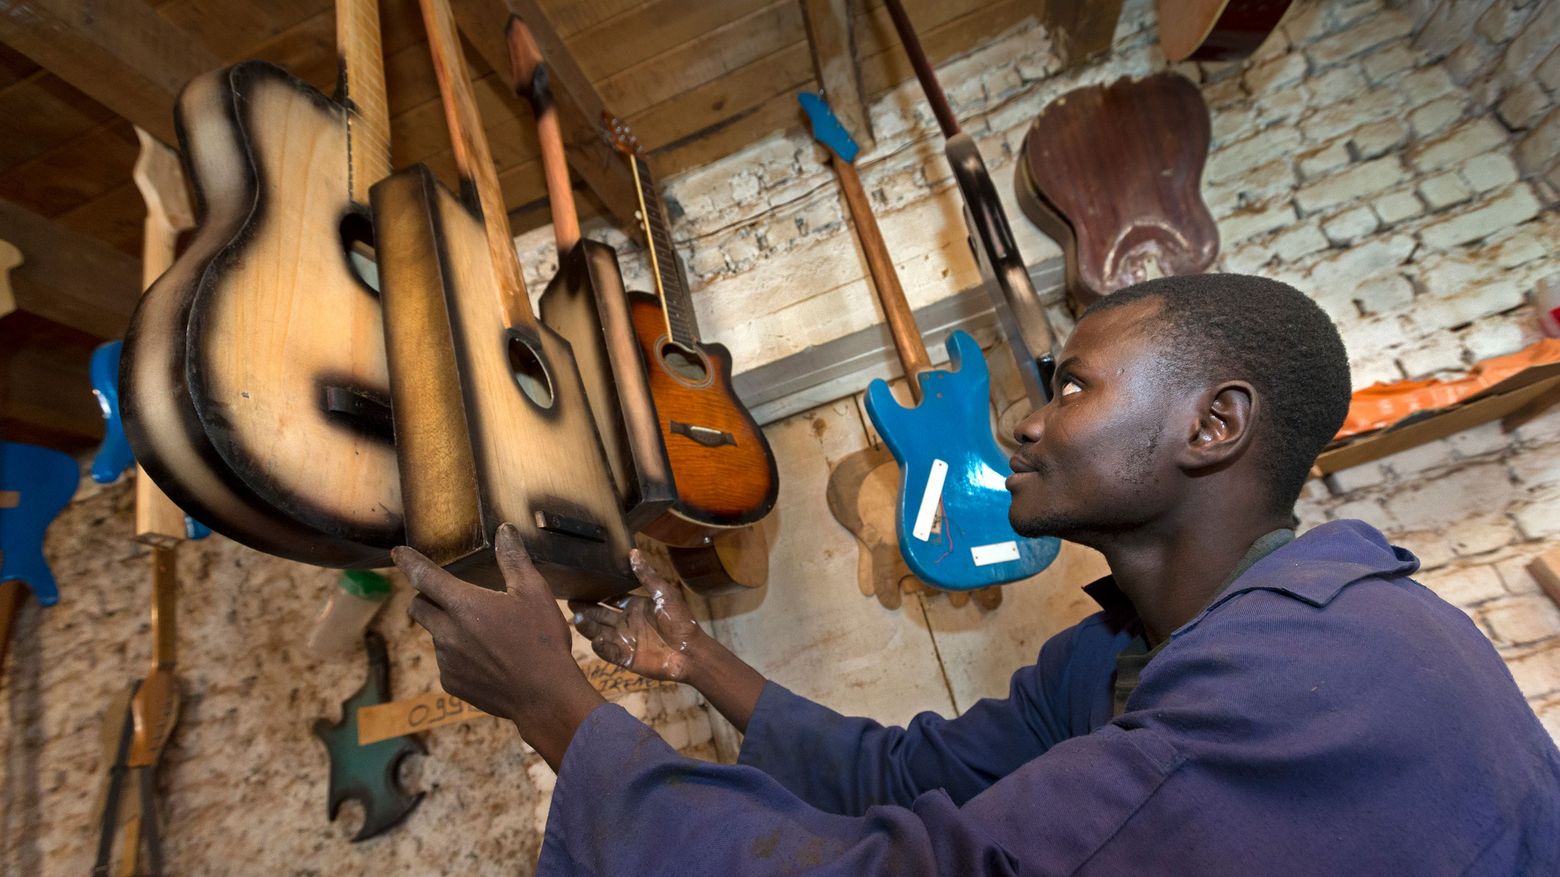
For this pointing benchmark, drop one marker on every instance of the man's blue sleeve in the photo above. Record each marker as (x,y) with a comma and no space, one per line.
(845,765)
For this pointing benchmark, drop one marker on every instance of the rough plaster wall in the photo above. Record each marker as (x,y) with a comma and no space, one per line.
(244,779)
(1347,160)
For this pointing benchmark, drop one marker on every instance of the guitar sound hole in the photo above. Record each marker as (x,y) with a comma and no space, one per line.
(357,242)
(529,372)
(684,363)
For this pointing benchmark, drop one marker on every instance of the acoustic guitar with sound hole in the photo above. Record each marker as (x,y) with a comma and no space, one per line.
(721,462)
(492,423)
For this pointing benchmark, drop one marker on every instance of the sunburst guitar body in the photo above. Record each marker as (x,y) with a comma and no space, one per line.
(723,467)
(254,381)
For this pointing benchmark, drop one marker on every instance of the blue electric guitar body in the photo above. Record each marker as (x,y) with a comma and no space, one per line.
(36,484)
(953,501)
(953,504)
(114,455)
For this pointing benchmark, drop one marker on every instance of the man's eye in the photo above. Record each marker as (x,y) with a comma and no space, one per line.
(1070,387)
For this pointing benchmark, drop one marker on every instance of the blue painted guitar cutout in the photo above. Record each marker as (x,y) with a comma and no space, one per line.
(114,455)
(43,482)
(952,518)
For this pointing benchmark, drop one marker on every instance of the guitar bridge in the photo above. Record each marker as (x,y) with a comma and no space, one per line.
(564,525)
(710,438)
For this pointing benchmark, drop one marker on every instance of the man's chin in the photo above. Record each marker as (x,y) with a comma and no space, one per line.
(1037,526)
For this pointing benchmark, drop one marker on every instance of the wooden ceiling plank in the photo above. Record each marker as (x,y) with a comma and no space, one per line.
(784,72)
(886,69)
(228,29)
(121,53)
(579,104)
(650,29)
(41,113)
(420,132)
(830,32)
(67,277)
(74,172)
(116,218)
(727,48)
(572,16)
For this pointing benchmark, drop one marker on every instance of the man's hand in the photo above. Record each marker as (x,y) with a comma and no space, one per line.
(653,636)
(656,636)
(506,653)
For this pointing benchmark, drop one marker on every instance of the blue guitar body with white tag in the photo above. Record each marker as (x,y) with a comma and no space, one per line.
(953,502)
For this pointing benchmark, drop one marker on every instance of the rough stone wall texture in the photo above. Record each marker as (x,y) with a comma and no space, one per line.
(1506,53)
(244,779)
(1351,157)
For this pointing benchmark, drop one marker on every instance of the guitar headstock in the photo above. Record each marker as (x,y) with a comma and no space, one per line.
(619,135)
(826,129)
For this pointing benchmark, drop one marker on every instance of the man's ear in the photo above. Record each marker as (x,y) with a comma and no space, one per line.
(1225,423)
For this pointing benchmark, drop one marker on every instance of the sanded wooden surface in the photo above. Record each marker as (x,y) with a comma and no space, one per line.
(475,451)
(271,337)
(169,211)
(1122,165)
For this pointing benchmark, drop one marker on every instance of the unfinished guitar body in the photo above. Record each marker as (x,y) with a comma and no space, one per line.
(1114,174)
(491,420)
(254,382)
(585,304)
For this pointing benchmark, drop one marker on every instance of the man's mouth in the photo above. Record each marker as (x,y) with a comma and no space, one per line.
(1020,465)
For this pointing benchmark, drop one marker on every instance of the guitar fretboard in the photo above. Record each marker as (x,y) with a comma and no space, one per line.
(363,88)
(671,284)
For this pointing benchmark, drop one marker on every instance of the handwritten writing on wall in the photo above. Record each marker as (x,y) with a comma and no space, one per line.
(435,708)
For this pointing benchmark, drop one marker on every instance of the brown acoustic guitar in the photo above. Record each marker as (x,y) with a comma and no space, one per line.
(1114,174)
(253,377)
(1216,30)
(585,303)
(721,462)
(491,418)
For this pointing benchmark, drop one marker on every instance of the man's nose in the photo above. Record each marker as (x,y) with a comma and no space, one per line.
(1030,429)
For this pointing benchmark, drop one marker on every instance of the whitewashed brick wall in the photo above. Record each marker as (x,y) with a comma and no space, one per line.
(1504,54)
(1366,154)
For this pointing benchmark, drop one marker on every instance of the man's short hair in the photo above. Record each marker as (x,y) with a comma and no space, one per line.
(1214,327)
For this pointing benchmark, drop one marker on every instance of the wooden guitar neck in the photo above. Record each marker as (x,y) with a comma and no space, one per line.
(362,92)
(531,78)
(474,159)
(923,69)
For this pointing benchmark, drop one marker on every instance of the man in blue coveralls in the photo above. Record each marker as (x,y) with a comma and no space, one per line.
(1246,701)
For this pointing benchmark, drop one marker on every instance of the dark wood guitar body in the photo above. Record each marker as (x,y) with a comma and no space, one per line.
(726,476)
(1114,173)
(1216,30)
(476,448)
(585,303)
(253,376)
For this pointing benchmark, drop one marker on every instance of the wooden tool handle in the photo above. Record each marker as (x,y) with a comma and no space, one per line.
(901,322)
(473,158)
(165,602)
(923,69)
(530,78)
(11,595)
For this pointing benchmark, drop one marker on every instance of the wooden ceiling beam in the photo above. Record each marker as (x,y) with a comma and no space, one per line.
(833,41)
(120,53)
(579,105)
(67,277)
